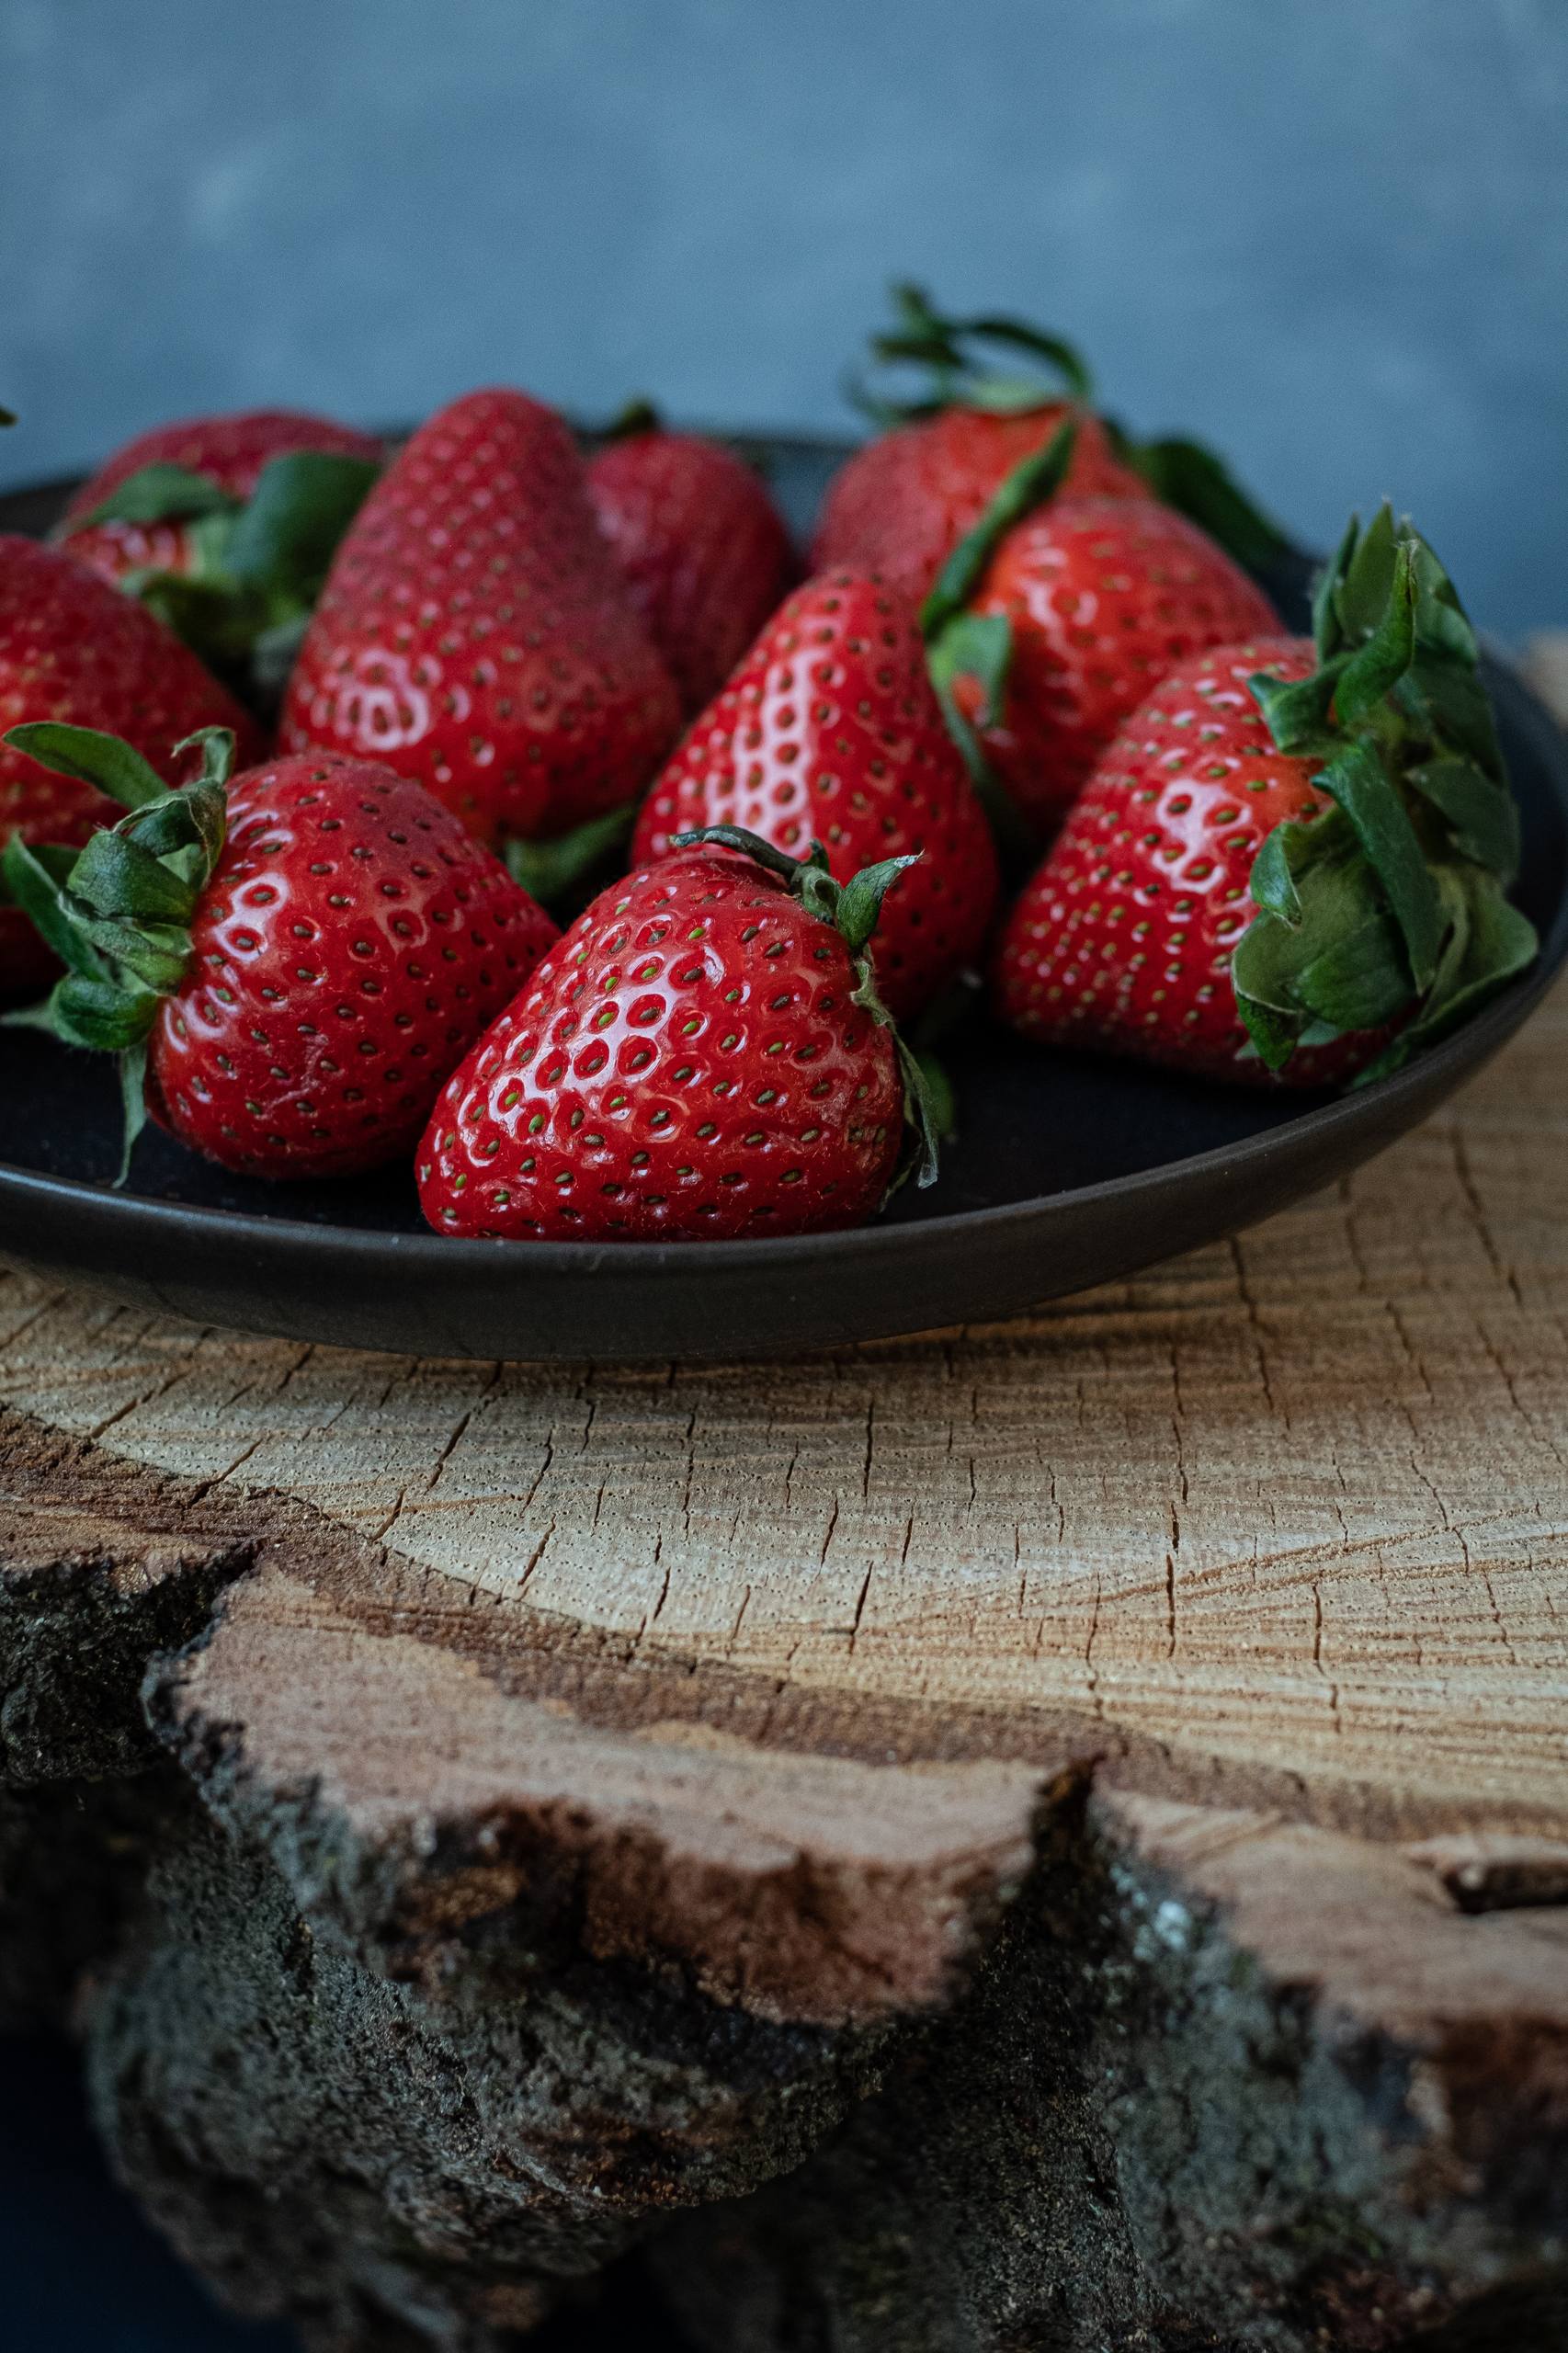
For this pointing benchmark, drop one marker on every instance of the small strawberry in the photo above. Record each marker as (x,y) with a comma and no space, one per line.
(226,526)
(1078,610)
(703,549)
(137,511)
(702,1053)
(829,730)
(901,506)
(474,632)
(288,965)
(1294,859)
(71,649)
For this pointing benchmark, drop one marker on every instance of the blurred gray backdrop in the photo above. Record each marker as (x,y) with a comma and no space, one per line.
(1332,237)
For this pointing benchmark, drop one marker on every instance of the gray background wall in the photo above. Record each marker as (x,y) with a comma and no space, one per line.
(1333,237)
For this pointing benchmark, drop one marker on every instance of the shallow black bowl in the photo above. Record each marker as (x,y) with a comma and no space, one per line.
(1069,1170)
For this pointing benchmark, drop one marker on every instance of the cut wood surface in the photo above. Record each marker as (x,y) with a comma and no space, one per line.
(1295,1508)
(743,1723)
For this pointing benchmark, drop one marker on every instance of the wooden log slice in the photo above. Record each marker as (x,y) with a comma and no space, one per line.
(1050,1833)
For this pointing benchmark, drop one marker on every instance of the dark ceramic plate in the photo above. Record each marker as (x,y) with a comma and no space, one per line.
(1069,1170)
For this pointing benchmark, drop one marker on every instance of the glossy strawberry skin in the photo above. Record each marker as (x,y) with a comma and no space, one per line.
(1105,598)
(476,634)
(686,1062)
(901,506)
(829,731)
(230,451)
(701,546)
(353,942)
(73,648)
(1123,937)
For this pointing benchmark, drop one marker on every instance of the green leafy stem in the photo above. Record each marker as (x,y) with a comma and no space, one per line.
(117,912)
(1388,909)
(951,364)
(255,565)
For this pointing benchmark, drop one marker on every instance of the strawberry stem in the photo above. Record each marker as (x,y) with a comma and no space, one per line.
(117,912)
(1033,481)
(638,415)
(962,643)
(255,566)
(160,494)
(553,872)
(1388,911)
(957,375)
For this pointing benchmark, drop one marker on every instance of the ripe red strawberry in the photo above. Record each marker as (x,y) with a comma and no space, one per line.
(71,648)
(1125,935)
(899,507)
(1294,852)
(702,547)
(476,634)
(1102,597)
(300,999)
(700,1054)
(229,452)
(830,731)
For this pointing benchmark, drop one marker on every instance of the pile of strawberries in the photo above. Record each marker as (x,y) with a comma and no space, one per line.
(1025,716)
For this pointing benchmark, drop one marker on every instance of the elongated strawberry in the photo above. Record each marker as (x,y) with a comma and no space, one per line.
(702,547)
(288,965)
(226,526)
(703,1054)
(829,730)
(71,649)
(476,634)
(1093,601)
(901,506)
(1294,859)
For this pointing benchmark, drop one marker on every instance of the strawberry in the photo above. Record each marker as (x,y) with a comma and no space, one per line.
(702,1053)
(1093,601)
(702,547)
(226,526)
(1294,859)
(187,462)
(474,632)
(901,506)
(295,960)
(71,649)
(830,730)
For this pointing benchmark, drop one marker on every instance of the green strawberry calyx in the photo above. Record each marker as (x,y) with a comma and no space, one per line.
(960,643)
(1388,909)
(117,912)
(564,871)
(853,909)
(953,370)
(255,565)
(635,416)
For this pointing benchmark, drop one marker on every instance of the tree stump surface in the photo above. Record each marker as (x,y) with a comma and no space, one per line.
(1059,1826)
